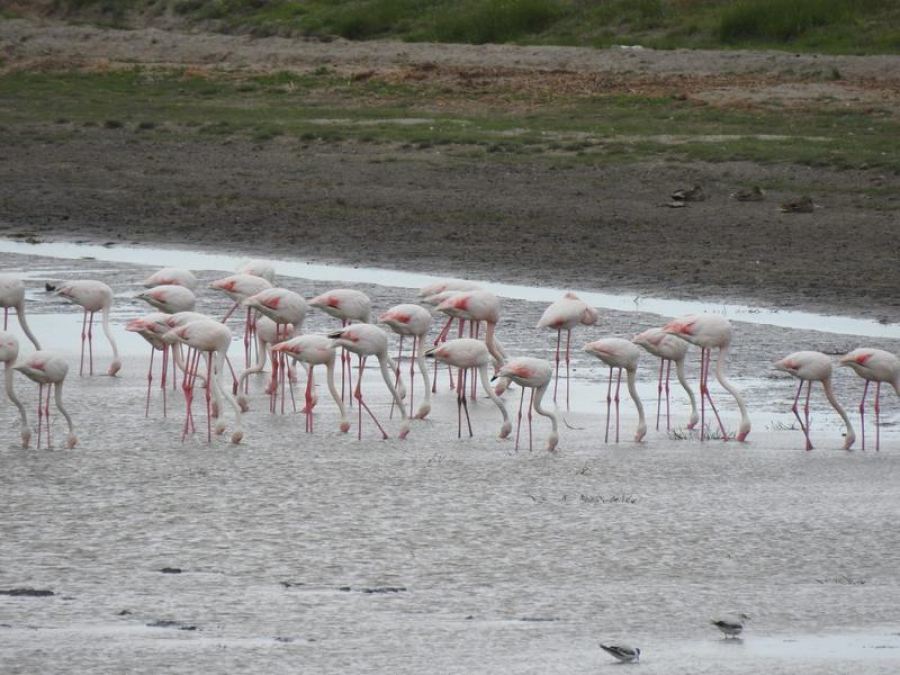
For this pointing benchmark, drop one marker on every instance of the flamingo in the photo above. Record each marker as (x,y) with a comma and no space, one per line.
(620,354)
(144,327)
(415,321)
(447,285)
(171,276)
(238,287)
(93,296)
(314,350)
(668,348)
(364,340)
(563,315)
(348,305)
(434,301)
(212,338)
(534,374)
(285,308)
(258,268)
(708,331)
(266,336)
(12,295)
(809,367)
(9,352)
(873,365)
(466,353)
(48,368)
(169,299)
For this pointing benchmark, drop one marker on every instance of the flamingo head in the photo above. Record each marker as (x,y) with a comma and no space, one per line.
(743,431)
(114,368)
(553,441)
(71,441)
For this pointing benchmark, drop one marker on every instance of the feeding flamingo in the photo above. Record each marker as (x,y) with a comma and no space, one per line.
(348,305)
(415,321)
(532,374)
(708,331)
(238,287)
(12,296)
(878,366)
(169,299)
(564,315)
(171,276)
(9,352)
(266,337)
(93,296)
(466,353)
(668,349)
(258,268)
(314,350)
(144,327)
(48,369)
(620,354)
(809,367)
(366,340)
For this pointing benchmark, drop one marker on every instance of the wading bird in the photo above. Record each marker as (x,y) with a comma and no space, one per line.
(809,367)
(414,321)
(532,374)
(9,352)
(563,315)
(48,369)
(732,626)
(873,365)
(619,354)
(668,349)
(624,653)
(171,276)
(93,296)
(348,305)
(12,296)
(169,299)
(709,331)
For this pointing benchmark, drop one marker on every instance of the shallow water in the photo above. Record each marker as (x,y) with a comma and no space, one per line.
(483,560)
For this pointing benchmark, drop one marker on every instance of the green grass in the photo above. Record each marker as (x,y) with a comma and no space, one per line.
(150,106)
(829,26)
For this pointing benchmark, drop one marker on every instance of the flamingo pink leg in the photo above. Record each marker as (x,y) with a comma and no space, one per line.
(362,403)
(796,410)
(530,406)
(862,415)
(47,415)
(309,406)
(702,394)
(473,333)
(556,381)
(208,388)
(668,375)
(91,341)
(442,336)
(568,361)
(149,381)
(659,391)
(40,413)
(877,417)
(412,373)
(608,403)
(230,311)
(165,372)
(708,396)
(83,338)
(809,445)
(5,318)
(618,385)
(461,396)
(397,376)
(519,419)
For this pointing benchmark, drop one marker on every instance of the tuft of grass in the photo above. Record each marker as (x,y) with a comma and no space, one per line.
(496,20)
(782,22)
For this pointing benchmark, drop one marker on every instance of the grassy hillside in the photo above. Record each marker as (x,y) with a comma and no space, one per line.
(827,26)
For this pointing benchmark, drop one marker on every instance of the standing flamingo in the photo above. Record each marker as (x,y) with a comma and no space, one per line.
(144,327)
(708,331)
(171,276)
(93,296)
(9,352)
(314,350)
(48,368)
(434,301)
(466,353)
(415,321)
(348,305)
(238,287)
(447,285)
(533,374)
(213,339)
(564,315)
(286,309)
(809,367)
(267,335)
(668,348)
(12,295)
(169,299)
(258,268)
(364,340)
(619,354)
(873,365)
(478,305)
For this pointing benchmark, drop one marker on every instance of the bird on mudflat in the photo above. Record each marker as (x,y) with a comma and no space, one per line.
(93,296)
(620,354)
(563,315)
(693,194)
(873,365)
(754,194)
(624,653)
(800,205)
(731,626)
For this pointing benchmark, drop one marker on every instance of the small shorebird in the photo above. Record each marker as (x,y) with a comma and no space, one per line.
(754,194)
(624,653)
(800,205)
(732,626)
(694,194)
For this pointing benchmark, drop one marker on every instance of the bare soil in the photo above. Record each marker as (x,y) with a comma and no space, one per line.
(601,227)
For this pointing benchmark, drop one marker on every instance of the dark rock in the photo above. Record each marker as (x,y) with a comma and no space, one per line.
(28,592)
(171,570)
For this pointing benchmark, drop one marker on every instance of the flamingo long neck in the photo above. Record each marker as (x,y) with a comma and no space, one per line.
(20,312)
(723,380)
(8,373)
(335,394)
(57,392)
(423,368)
(829,394)
(387,371)
(493,345)
(679,373)
(632,389)
(538,396)
(112,341)
(221,391)
(485,383)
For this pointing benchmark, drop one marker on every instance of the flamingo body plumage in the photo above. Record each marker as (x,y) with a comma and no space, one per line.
(668,349)
(49,369)
(622,355)
(93,296)
(410,320)
(564,315)
(534,374)
(9,352)
(12,296)
(171,276)
(878,366)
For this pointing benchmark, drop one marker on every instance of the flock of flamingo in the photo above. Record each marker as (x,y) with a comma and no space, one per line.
(194,347)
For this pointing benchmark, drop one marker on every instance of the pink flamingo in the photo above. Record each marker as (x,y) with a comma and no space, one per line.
(48,369)
(463,354)
(93,296)
(668,349)
(314,350)
(169,299)
(564,315)
(144,327)
(873,365)
(258,268)
(809,367)
(348,305)
(532,374)
(620,354)
(708,331)
(212,338)
(267,335)
(415,321)
(171,276)
(238,287)
(9,352)
(434,301)
(364,340)
(12,295)
(286,309)
(447,285)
